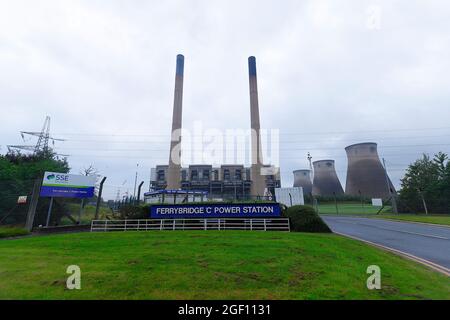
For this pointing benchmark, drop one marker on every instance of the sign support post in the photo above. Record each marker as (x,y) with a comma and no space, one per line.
(49,212)
(33,204)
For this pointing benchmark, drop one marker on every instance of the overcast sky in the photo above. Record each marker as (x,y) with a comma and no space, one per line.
(330,73)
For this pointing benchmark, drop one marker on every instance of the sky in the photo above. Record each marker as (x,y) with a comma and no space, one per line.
(330,74)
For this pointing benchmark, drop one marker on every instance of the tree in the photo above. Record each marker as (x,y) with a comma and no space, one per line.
(89,171)
(92,171)
(17,175)
(426,185)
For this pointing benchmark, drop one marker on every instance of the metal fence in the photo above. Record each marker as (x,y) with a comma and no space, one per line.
(272,224)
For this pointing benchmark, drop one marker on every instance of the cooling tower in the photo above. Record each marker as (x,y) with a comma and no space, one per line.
(258,181)
(365,172)
(326,181)
(173,172)
(302,178)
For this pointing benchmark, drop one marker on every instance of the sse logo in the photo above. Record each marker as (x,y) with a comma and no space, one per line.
(58,177)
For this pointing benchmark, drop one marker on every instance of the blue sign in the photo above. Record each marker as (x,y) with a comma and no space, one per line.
(67,192)
(65,185)
(193,211)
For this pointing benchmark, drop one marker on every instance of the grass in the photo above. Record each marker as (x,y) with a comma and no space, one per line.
(6,232)
(442,219)
(208,265)
(87,215)
(352,208)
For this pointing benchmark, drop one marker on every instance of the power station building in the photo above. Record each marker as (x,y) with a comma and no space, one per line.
(326,182)
(366,175)
(224,182)
(235,181)
(302,178)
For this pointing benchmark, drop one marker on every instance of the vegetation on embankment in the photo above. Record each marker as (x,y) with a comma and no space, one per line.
(209,265)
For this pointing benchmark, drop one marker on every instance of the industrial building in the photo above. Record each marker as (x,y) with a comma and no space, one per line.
(366,175)
(302,178)
(326,182)
(224,182)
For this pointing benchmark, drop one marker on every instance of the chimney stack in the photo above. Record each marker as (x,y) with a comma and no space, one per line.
(258,180)
(173,173)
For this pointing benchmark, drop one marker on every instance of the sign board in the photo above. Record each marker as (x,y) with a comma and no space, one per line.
(65,185)
(377,202)
(193,211)
(290,196)
(22,200)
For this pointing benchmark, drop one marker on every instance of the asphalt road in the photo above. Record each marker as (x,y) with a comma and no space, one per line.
(428,242)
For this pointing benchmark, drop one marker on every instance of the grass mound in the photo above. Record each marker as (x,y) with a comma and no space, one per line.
(208,265)
(305,219)
(6,232)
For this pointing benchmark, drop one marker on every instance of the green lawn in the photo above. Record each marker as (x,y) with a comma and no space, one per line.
(208,265)
(353,208)
(443,219)
(88,213)
(350,208)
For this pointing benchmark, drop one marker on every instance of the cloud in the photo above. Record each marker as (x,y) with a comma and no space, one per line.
(104,70)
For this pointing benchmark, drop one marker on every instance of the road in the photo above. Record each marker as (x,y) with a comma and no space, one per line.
(428,242)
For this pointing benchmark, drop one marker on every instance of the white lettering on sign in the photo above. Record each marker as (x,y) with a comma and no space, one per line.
(229,210)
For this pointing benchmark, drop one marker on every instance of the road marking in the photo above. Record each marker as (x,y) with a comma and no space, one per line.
(395,230)
(425,262)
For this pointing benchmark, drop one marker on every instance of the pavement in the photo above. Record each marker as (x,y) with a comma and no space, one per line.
(428,242)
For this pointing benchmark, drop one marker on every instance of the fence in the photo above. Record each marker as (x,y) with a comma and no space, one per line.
(349,208)
(13,211)
(272,224)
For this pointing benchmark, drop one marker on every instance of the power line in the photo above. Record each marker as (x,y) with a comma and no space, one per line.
(281,133)
(240,149)
(281,141)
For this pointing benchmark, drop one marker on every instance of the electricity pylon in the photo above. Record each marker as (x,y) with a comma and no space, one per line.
(43,139)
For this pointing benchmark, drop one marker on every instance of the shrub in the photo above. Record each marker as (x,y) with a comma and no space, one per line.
(6,232)
(134,212)
(305,219)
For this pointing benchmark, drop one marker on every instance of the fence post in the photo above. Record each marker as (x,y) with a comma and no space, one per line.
(251,224)
(204,222)
(139,192)
(173,225)
(139,223)
(219,225)
(265,228)
(335,202)
(106,225)
(125,224)
(99,197)
(160,224)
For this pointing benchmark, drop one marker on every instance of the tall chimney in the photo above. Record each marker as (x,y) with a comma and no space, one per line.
(173,172)
(258,180)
